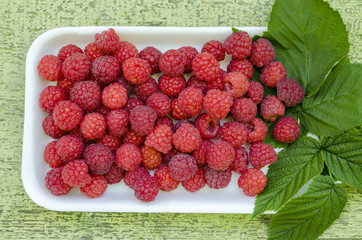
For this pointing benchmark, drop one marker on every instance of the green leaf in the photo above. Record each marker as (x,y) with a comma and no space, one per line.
(296,165)
(235,29)
(309,37)
(308,216)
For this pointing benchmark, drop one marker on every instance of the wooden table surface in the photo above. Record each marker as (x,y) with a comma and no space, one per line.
(23,21)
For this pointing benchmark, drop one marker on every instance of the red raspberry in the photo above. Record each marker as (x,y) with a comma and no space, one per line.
(66,84)
(179,123)
(196,182)
(160,139)
(99,158)
(100,84)
(256,91)
(261,154)
(67,115)
(110,141)
(164,120)
(146,188)
(217,179)
(168,156)
(234,133)
(240,164)
(151,158)
(262,53)
(131,177)
(51,129)
(286,129)
(133,102)
(257,130)
(164,179)
(51,156)
(50,96)
(160,103)
(125,50)
(215,48)
(172,85)
(241,65)
(114,175)
(176,111)
(220,155)
(96,187)
(190,53)
(142,119)
(117,122)
(128,157)
(107,41)
(68,50)
(92,52)
(243,110)
(54,182)
(272,74)
(182,167)
(218,82)
(76,132)
(151,55)
(127,85)
(290,92)
(103,110)
(172,62)
(75,174)
(205,66)
(50,68)
(271,108)
(76,67)
(132,137)
(87,95)
(252,182)
(191,101)
(187,138)
(106,69)
(193,81)
(136,70)
(114,96)
(200,153)
(236,83)
(208,126)
(238,45)
(146,89)
(69,148)
(217,103)
(93,126)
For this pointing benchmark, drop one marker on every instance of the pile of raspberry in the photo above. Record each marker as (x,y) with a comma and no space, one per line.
(158,120)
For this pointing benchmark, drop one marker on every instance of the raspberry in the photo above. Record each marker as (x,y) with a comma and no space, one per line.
(243,110)
(146,89)
(252,182)
(127,85)
(76,67)
(215,48)
(257,130)
(217,179)
(50,68)
(238,45)
(164,120)
(96,187)
(160,139)
(133,102)
(220,155)
(290,92)
(68,50)
(262,53)
(168,156)
(142,119)
(286,129)
(103,110)
(99,158)
(132,137)
(54,182)
(272,74)
(208,126)
(51,129)
(92,52)
(69,148)
(176,111)
(193,81)
(110,141)
(128,157)
(261,154)
(241,65)
(107,41)
(51,156)
(234,133)
(66,84)
(182,167)
(114,96)
(164,179)
(151,158)
(179,123)
(125,50)
(196,182)
(172,85)
(218,82)
(217,103)
(190,53)
(191,101)
(236,83)
(87,95)
(106,69)
(136,70)
(151,55)
(256,91)
(76,132)
(271,108)
(93,126)
(146,188)
(114,175)
(200,153)
(160,103)
(75,174)
(131,177)
(50,96)
(117,122)
(67,115)
(172,62)
(205,66)
(187,138)
(240,164)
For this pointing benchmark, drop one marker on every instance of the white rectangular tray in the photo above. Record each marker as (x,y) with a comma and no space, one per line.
(118,197)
